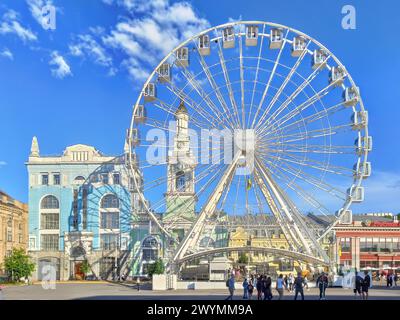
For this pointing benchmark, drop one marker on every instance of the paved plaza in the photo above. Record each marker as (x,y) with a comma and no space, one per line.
(113,291)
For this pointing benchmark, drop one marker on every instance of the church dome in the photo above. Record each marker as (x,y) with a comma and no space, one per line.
(181,108)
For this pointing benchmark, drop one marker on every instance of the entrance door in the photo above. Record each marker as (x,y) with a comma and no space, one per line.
(79,275)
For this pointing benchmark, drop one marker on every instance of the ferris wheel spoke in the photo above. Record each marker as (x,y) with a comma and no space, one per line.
(197,87)
(312,163)
(256,76)
(284,84)
(271,77)
(308,135)
(287,181)
(227,80)
(216,89)
(197,109)
(312,180)
(170,110)
(242,81)
(301,107)
(299,89)
(318,149)
(308,120)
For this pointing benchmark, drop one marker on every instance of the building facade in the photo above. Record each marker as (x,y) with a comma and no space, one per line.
(368,242)
(83,207)
(13,226)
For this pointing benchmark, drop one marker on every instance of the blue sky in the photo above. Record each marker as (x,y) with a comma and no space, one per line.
(77,84)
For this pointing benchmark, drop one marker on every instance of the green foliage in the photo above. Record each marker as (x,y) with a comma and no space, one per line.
(243,258)
(18,265)
(85,267)
(156,268)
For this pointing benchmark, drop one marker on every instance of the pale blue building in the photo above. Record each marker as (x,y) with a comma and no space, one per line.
(83,206)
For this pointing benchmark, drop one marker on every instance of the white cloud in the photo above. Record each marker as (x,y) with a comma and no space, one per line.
(6,53)
(86,45)
(11,25)
(3,163)
(62,69)
(139,43)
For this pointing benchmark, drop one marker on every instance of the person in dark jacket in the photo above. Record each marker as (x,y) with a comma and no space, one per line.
(298,285)
(357,285)
(259,287)
(365,285)
(267,288)
(322,284)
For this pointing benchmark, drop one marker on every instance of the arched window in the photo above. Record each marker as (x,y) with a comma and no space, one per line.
(110,201)
(180,181)
(49,202)
(150,249)
(79,180)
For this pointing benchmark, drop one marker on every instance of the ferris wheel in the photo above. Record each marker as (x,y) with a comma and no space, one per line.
(297,101)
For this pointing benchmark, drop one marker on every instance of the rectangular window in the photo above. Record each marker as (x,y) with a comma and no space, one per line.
(110,220)
(109,241)
(20,238)
(49,242)
(45,179)
(32,243)
(49,221)
(104,178)
(75,209)
(20,226)
(116,178)
(56,179)
(84,208)
(9,235)
(345,244)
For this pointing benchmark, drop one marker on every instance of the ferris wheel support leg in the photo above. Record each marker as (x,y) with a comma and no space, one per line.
(293,221)
(275,211)
(191,238)
(288,219)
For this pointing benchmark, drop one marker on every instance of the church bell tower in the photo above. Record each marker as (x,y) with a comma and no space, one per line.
(180,195)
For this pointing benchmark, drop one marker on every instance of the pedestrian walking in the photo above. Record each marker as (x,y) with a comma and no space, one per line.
(395,278)
(259,287)
(322,284)
(250,289)
(298,285)
(138,283)
(365,285)
(357,285)
(286,281)
(306,284)
(245,285)
(267,283)
(230,283)
(290,281)
(280,285)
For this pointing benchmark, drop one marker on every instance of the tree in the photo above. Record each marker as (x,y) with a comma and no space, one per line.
(85,267)
(156,268)
(243,258)
(18,265)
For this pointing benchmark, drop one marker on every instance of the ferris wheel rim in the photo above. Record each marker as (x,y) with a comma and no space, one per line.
(364,156)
